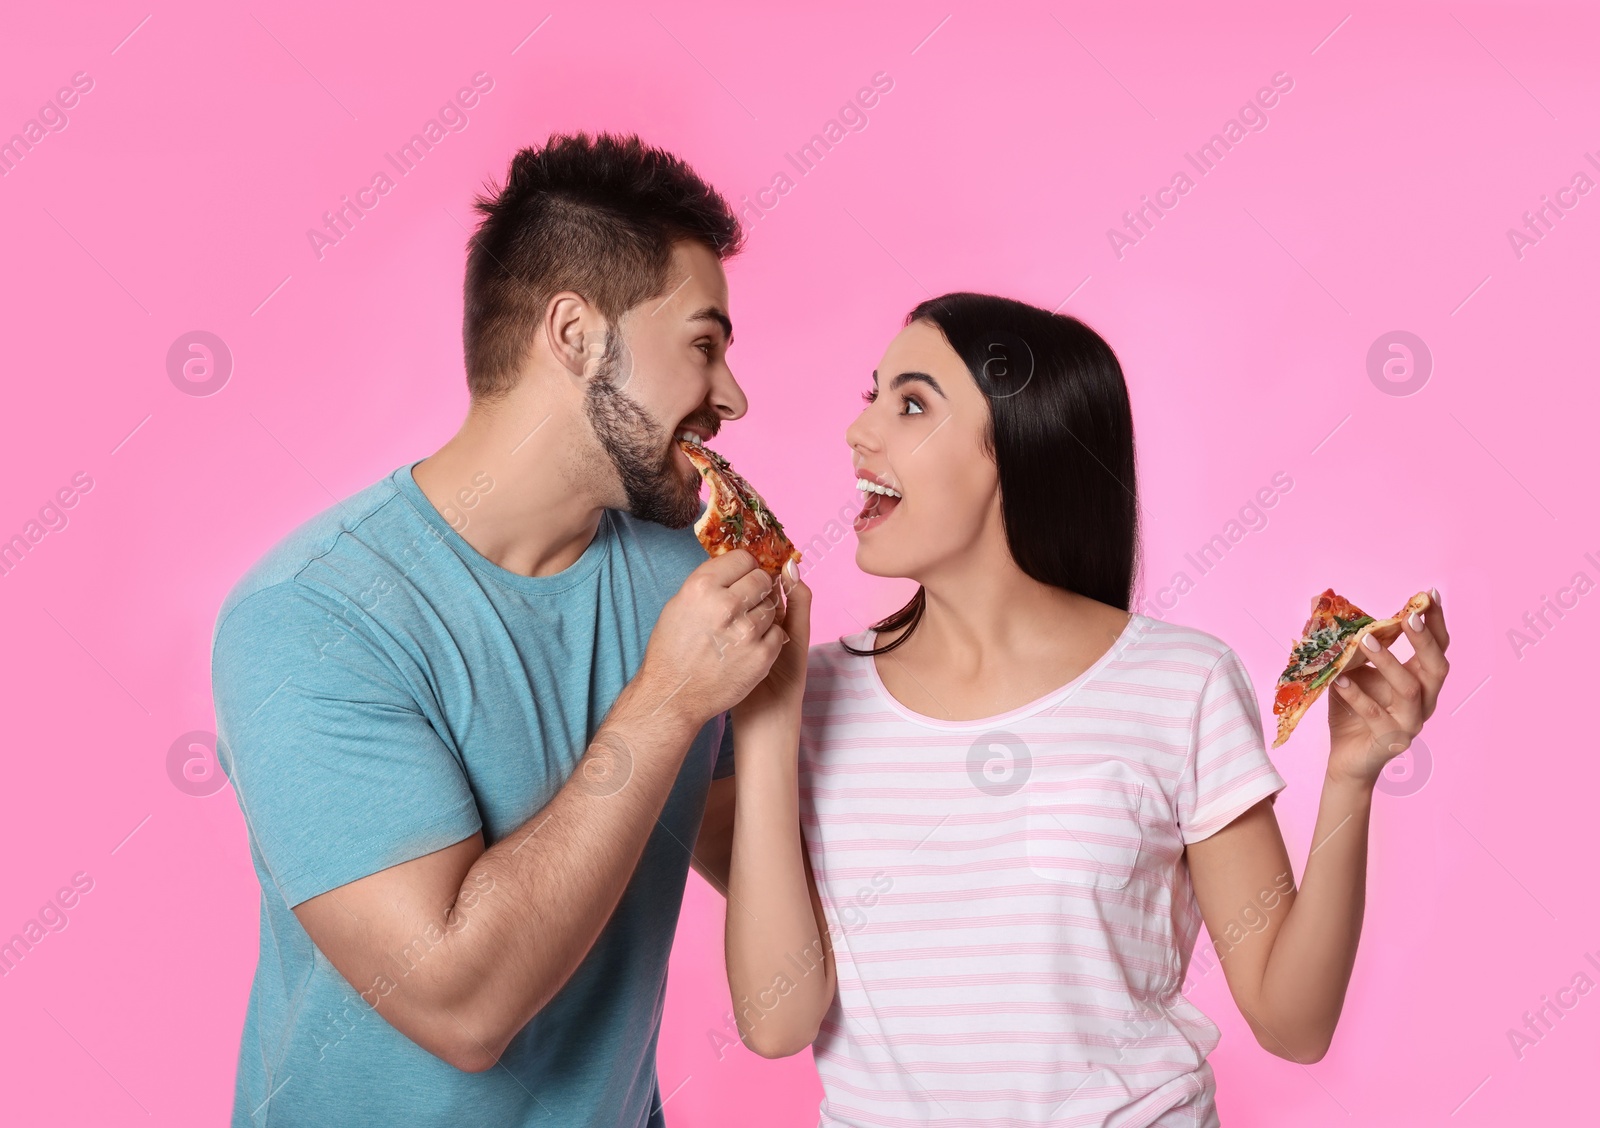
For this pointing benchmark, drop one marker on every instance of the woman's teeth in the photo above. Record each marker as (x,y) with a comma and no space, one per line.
(866,485)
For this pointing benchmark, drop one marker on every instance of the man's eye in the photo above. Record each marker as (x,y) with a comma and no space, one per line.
(706,346)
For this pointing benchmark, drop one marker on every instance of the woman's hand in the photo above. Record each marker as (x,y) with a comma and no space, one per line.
(1375,712)
(776,698)
(781,919)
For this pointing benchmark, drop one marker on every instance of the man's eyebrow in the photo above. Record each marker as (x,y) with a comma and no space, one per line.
(714,313)
(919,377)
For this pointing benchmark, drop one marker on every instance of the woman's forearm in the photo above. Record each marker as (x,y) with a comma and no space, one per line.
(1308,970)
(780,968)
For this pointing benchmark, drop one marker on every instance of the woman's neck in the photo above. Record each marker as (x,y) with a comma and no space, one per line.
(992,638)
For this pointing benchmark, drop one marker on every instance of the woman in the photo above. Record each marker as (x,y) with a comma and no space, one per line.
(1017,799)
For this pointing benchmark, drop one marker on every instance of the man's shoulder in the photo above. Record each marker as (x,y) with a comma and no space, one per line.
(275,577)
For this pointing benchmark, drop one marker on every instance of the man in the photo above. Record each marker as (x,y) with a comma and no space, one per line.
(473,713)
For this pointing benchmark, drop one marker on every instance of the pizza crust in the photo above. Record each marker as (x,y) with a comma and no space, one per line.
(1353,654)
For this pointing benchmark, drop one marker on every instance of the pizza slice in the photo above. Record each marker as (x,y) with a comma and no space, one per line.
(1330,642)
(736,516)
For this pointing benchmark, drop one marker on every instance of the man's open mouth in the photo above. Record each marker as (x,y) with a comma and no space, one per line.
(682,460)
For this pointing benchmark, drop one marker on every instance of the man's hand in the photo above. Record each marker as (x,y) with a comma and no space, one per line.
(495,959)
(716,639)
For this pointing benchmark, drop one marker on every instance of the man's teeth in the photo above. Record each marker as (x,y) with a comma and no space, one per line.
(690,436)
(867,485)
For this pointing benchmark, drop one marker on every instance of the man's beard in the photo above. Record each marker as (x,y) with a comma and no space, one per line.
(656,489)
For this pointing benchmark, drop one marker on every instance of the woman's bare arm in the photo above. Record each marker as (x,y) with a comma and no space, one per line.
(780,962)
(1288,954)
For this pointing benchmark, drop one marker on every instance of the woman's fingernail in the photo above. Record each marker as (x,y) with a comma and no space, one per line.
(1397,747)
(1435,594)
(1342,682)
(1415,622)
(1370,643)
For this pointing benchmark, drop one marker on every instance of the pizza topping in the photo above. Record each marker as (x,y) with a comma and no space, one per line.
(1321,646)
(1326,646)
(735,515)
(1322,676)
(1315,658)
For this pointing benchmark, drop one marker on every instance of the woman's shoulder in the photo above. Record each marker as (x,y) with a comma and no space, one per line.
(832,658)
(1157,640)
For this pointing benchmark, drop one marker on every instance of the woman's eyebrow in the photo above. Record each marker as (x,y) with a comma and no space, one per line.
(921,377)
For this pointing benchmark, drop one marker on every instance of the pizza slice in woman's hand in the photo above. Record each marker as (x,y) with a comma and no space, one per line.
(1329,643)
(736,516)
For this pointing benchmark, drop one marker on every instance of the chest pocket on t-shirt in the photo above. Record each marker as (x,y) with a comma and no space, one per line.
(1085,825)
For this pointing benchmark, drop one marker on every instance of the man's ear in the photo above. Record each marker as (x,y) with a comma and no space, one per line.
(574,331)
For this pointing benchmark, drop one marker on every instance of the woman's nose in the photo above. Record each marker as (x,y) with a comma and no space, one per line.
(860,436)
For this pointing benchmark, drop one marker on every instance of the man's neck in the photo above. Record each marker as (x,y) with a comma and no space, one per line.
(506,484)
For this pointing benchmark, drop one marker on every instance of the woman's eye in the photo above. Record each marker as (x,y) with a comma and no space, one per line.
(912,406)
(870,396)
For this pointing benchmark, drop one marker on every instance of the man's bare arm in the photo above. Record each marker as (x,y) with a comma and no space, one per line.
(459,949)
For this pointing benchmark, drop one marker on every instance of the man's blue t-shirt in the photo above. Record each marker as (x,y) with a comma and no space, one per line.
(384,691)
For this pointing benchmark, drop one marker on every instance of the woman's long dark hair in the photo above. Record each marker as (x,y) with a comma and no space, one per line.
(1061,435)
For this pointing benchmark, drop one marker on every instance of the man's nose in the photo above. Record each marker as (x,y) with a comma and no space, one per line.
(727,398)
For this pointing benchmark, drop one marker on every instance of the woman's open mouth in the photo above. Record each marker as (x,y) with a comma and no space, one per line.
(878,502)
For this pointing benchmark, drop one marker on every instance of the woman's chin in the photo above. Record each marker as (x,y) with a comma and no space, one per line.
(874,561)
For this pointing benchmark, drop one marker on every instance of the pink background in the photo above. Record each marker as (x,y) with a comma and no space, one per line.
(1377,199)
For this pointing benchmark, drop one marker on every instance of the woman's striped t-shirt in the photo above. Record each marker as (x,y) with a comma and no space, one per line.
(1009,903)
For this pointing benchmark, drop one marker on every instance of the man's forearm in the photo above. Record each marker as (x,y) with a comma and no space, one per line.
(553,883)
(463,945)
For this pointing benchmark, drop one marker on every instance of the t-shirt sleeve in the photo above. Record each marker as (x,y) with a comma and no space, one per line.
(724,766)
(1228,770)
(336,768)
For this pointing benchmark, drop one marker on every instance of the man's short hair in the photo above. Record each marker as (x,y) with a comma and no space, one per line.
(597,216)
